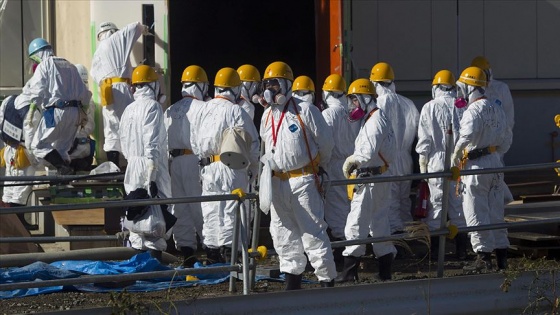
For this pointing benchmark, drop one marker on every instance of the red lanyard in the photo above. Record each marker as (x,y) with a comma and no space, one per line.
(275,132)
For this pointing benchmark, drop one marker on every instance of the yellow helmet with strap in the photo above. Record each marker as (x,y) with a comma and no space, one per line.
(474,76)
(444,77)
(144,74)
(194,73)
(382,72)
(481,62)
(227,78)
(335,83)
(249,73)
(279,69)
(303,82)
(362,86)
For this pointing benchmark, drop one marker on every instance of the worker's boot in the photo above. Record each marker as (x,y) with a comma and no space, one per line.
(483,261)
(225,252)
(293,282)
(189,257)
(113,156)
(337,254)
(385,263)
(327,284)
(501,258)
(213,256)
(461,244)
(350,270)
(55,159)
(434,247)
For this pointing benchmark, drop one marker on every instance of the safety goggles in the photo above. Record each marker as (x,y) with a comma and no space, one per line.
(303,92)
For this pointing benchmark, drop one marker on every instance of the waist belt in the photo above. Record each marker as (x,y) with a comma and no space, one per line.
(209,160)
(64,104)
(107,89)
(368,171)
(477,153)
(306,170)
(178,152)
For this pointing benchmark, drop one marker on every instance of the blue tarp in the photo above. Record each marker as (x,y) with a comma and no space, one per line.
(143,262)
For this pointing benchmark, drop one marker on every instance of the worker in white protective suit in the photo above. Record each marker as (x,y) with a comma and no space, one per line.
(83,149)
(484,135)
(345,131)
(250,80)
(14,158)
(498,92)
(373,155)
(298,143)
(144,143)
(304,89)
(185,179)
(111,69)
(437,117)
(403,116)
(55,90)
(209,123)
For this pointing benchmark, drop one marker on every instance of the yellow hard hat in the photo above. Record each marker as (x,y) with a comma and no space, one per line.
(227,78)
(481,62)
(382,72)
(144,74)
(444,77)
(335,83)
(249,73)
(278,69)
(474,76)
(362,86)
(303,82)
(194,73)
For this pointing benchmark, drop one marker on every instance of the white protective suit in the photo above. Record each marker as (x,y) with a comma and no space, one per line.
(436,117)
(144,143)
(14,194)
(55,79)
(112,60)
(483,125)
(337,205)
(185,179)
(369,213)
(403,117)
(248,90)
(84,130)
(297,223)
(208,122)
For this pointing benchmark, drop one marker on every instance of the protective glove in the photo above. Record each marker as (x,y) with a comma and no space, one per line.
(146,30)
(423,161)
(349,166)
(455,158)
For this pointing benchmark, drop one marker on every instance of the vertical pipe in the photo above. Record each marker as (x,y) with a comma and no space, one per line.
(256,221)
(234,247)
(244,249)
(449,146)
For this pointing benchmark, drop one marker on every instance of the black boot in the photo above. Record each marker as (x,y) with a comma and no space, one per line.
(461,242)
(350,270)
(55,159)
(213,256)
(293,282)
(157,254)
(501,258)
(113,156)
(434,247)
(225,252)
(189,257)
(385,263)
(327,284)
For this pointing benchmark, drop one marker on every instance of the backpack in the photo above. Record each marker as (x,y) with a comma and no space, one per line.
(12,124)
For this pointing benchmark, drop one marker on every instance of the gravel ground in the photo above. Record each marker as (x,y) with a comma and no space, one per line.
(411,266)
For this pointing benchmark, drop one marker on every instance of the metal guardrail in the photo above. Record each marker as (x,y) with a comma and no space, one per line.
(242,225)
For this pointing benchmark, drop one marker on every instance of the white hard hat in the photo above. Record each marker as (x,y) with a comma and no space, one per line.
(83,72)
(106,26)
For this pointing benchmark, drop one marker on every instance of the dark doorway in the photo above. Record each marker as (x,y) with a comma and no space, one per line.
(215,34)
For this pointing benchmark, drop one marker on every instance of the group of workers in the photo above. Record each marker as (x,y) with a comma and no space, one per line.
(202,146)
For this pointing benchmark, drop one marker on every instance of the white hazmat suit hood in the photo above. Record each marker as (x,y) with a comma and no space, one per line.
(196,90)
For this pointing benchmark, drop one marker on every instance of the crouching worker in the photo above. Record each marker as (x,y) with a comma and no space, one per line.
(144,145)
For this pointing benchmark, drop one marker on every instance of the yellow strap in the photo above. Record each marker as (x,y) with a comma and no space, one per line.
(187,152)
(214,158)
(2,161)
(309,169)
(107,89)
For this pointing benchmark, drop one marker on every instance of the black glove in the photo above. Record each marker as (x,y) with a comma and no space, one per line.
(153,189)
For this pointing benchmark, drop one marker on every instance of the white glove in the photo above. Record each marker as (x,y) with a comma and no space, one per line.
(349,165)
(151,169)
(455,159)
(423,161)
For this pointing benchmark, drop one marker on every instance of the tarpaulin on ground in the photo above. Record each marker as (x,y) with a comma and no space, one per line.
(143,262)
